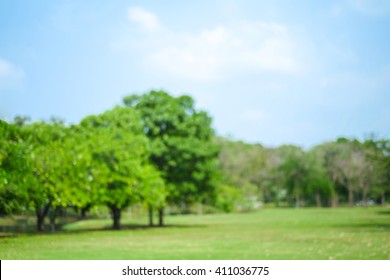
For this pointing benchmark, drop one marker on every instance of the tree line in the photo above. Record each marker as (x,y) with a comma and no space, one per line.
(158,151)
(155,150)
(341,172)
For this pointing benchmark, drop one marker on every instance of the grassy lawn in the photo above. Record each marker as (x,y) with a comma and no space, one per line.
(267,234)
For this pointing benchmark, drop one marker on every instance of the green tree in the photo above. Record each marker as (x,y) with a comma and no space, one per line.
(181,145)
(348,167)
(319,185)
(229,198)
(329,153)
(49,181)
(13,169)
(294,172)
(117,148)
(243,166)
(78,169)
(378,156)
(153,191)
(46,181)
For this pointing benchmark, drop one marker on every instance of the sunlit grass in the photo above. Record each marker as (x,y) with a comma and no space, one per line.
(267,234)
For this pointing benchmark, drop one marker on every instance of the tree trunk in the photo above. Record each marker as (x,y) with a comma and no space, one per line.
(150,210)
(161,217)
(318,199)
(297,201)
(40,222)
(365,198)
(350,197)
(383,199)
(335,200)
(62,212)
(84,212)
(277,202)
(200,209)
(41,213)
(116,217)
(52,218)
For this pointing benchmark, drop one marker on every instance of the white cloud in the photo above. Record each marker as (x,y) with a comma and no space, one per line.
(9,74)
(221,50)
(218,52)
(145,19)
(6,68)
(370,7)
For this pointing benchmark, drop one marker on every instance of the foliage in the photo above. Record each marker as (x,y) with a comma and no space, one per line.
(117,151)
(13,166)
(343,171)
(229,198)
(51,160)
(181,146)
(160,151)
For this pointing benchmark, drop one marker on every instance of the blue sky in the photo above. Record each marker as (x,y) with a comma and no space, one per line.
(272,72)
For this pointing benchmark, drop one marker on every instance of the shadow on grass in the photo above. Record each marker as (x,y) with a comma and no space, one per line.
(11,231)
(383,212)
(7,235)
(128,227)
(366,226)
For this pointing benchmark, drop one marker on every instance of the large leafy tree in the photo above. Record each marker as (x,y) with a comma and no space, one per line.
(181,145)
(118,158)
(13,169)
(78,169)
(39,168)
(51,162)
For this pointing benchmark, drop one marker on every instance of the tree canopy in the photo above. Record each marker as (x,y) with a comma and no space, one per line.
(181,145)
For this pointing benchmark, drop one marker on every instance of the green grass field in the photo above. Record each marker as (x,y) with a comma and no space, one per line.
(267,234)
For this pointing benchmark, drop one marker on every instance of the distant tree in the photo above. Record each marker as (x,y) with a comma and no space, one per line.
(285,171)
(181,145)
(272,175)
(295,172)
(243,166)
(229,198)
(329,153)
(377,154)
(347,165)
(318,182)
